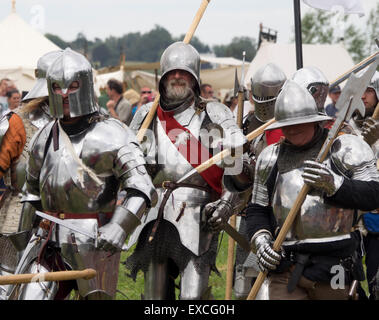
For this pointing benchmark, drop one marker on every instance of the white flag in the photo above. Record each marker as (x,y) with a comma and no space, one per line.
(349,6)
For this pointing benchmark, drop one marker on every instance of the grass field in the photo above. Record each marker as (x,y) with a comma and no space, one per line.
(133,290)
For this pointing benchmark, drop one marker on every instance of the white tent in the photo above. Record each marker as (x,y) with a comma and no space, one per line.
(20,48)
(136,79)
(332,59)
(221,61)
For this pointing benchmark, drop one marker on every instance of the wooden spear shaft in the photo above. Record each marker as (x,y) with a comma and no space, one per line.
(356,68)
(187,39)
(233,218)
(48,276)
(221,155)
(375,116)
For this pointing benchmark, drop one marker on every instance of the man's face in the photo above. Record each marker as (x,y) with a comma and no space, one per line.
(369,99)
(207,92)
(145,95)
(178,84)
(108,91)
(299,134)
(74,86)
(334,96)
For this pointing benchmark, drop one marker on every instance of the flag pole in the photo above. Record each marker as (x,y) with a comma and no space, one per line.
(298,40)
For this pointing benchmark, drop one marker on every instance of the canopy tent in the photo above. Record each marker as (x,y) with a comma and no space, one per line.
(332,59)
(221,61)
(134,79)
(20,48)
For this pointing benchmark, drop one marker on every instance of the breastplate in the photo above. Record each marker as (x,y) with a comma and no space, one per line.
(316,219)
(66,187)
(183,208)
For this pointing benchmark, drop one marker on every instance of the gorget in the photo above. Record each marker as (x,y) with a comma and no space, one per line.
(291,157)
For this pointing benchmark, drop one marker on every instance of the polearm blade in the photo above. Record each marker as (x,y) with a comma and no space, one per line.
(66,224)
(241,94)
(350,95)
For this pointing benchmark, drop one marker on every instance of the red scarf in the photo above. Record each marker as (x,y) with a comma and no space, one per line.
(191,149)
(273,136)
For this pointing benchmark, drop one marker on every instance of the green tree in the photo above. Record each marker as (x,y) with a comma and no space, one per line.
(318,27)
(196,43)
(102,54)
(57,40)
(236,47)
(373,29)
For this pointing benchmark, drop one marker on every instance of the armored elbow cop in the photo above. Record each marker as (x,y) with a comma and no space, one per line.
(130,168)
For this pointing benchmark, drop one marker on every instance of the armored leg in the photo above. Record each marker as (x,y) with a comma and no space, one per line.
(98,295)
(156,281)
(192,284)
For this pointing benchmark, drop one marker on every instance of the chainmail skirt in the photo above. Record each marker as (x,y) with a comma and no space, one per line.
(167,245)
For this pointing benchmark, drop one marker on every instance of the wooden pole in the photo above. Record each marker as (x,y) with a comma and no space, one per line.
(375,116)
(233,218)
(221,155)
(229,265)
(356,68)
(187,39)
(48,276)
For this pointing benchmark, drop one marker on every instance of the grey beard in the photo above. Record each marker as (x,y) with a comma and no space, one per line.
(174,98)
(177,94)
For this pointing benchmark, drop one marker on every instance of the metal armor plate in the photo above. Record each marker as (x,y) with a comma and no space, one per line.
(172,166)
(316,219)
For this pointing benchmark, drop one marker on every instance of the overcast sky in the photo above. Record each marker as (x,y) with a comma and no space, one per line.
(223,19)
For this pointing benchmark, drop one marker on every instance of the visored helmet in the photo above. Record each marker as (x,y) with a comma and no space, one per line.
(181,56)
(71,66)
(295,105)
(312,79)
(40,88)
(265,86)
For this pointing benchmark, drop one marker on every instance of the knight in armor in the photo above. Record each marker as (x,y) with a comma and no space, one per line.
(368,128)
(77,165)
(12,142)
(180,235)
(314,80)
(34,113)
(265,86)
(320,243)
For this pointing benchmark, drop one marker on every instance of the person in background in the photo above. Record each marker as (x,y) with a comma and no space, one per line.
(14,99)
(118,106)
(206,91)
(145,97)
(3,94)
(133,97)
(334,94)
(231,101)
